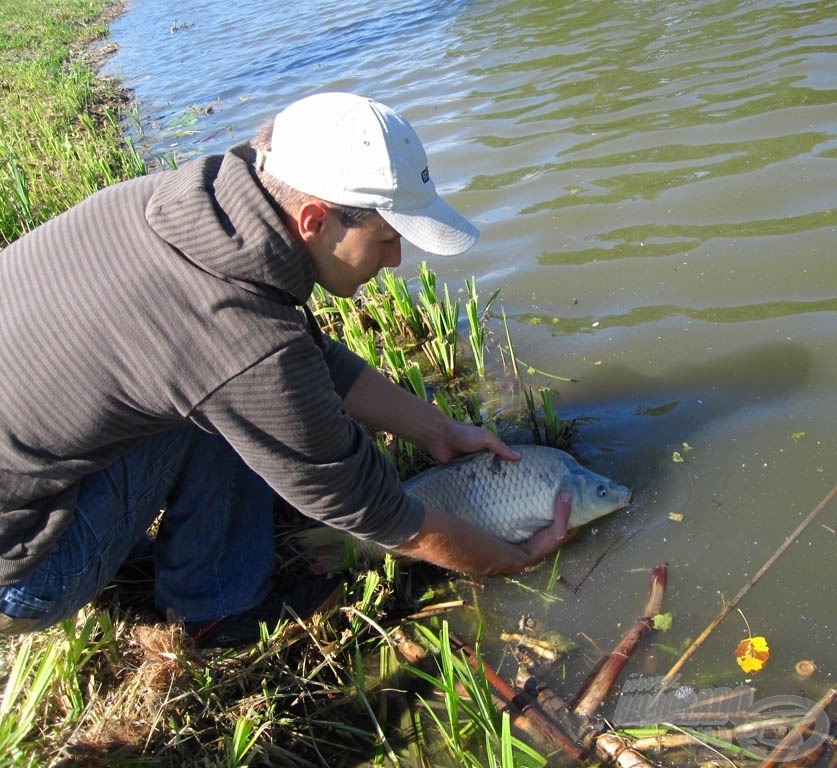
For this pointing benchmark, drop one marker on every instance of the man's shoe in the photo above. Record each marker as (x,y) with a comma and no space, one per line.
(306,598)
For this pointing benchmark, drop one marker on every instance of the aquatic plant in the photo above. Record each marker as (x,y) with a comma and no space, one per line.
(476,321)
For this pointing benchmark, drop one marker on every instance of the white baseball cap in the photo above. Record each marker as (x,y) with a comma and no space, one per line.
(350,150)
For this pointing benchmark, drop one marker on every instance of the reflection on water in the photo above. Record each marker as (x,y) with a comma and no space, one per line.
(654,182)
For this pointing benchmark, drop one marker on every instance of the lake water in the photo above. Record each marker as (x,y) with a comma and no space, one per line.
(656,185)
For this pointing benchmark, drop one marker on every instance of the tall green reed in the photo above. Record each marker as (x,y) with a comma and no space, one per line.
(475,733)
(441,316)
(476,322)
(555,429)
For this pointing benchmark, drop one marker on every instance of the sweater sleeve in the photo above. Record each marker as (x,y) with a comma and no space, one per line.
(285,418)
(344,365)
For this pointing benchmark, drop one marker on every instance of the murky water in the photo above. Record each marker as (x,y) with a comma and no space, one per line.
(655,185)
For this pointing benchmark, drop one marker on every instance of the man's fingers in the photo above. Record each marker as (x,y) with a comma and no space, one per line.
(504,452)
(562,507)
(545,541)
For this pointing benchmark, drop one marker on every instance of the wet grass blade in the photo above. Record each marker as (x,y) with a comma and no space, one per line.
(243,742)
(476,323)
(20,706)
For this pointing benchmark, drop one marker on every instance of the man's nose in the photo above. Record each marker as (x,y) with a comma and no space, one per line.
(393,255)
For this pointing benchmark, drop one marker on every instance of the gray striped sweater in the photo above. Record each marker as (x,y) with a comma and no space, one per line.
(161,301)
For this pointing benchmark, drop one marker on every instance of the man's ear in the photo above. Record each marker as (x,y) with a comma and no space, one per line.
(311,220)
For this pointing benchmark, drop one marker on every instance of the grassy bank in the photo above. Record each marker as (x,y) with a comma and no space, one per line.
(60,138)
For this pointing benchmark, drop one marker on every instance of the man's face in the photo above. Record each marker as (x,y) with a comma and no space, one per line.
(347,257)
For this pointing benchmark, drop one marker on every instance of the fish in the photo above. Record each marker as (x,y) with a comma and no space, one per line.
(509,499)
(513,499)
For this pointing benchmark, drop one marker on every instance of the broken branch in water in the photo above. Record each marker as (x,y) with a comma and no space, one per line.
(689,737)
(690,651)
(598,685)
(613,748)
(798,733)
(618,539)
(609,746)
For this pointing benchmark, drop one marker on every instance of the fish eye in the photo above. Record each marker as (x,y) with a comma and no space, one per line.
(601,491)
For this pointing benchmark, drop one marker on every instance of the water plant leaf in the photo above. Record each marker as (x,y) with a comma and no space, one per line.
(752,654)
(677,457)
(663,621)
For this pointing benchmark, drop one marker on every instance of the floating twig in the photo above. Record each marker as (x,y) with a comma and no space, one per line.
(618,539)
(436,609)
(688,737)
(798,732)
(613,748)
(597,688)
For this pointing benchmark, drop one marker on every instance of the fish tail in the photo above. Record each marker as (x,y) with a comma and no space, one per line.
(329,549)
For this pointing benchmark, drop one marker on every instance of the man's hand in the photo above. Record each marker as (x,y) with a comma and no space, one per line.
(444,539)
(378,403)
(449,542)
(547,540)
(457,439)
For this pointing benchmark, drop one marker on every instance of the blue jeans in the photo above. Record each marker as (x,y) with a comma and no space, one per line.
(213,553)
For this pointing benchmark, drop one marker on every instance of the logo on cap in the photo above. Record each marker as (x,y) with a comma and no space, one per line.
(425,175)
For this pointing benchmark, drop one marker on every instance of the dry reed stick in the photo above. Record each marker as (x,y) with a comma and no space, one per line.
(678,740)
(552,705)
(799,731)
(609,746)
(612,748)
(597,688)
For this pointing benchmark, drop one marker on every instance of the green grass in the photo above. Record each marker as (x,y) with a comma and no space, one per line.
(60,138)
(474,732)
(413,337)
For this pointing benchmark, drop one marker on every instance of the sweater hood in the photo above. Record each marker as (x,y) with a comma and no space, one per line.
(215,213)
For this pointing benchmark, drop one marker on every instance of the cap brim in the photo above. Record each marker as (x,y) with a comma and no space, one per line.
(437,228)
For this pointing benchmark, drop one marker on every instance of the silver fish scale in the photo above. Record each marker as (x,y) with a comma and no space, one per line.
(509,499)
